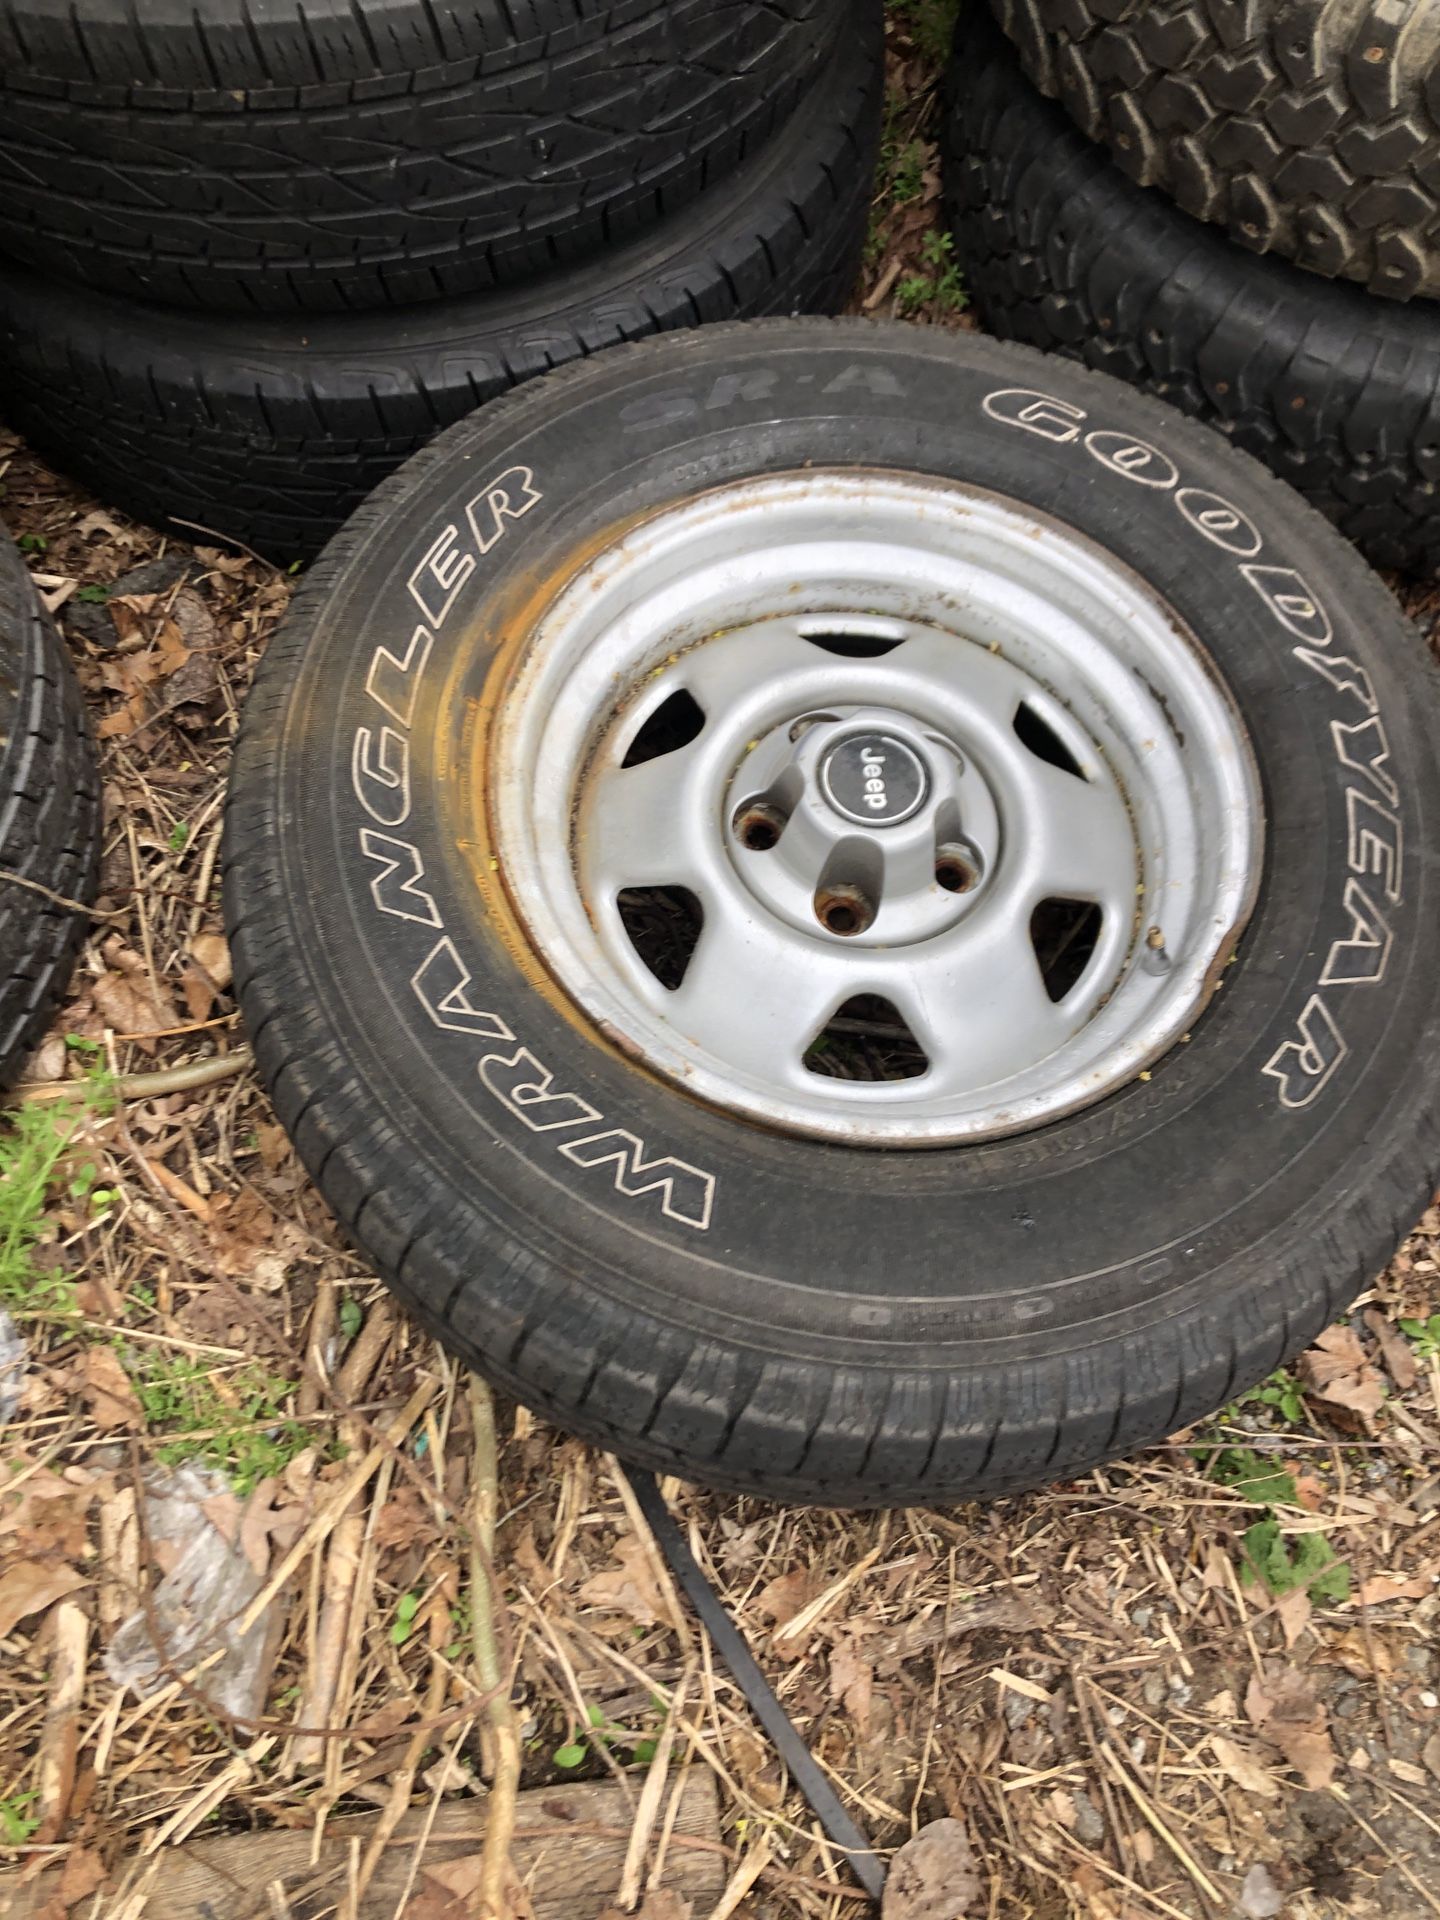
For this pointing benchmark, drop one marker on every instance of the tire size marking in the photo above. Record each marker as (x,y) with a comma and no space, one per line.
(1304,1066)
(521,1085)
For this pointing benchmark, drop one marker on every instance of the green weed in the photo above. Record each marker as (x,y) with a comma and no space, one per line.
(1308,1560)
(930,24)
(17,1823)
(938,285)
(243,1433)
(1425,1334)
(32,1145)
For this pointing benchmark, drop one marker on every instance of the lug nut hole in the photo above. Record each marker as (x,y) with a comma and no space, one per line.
(759,827)
(956,870)
(844,910)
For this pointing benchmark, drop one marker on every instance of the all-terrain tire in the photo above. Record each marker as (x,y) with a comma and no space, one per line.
(1310,128)
(271,431)
(330,155)
(1336,392)
(790,1315)
(49,815)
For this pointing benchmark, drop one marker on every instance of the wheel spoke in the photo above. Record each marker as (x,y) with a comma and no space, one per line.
(642,826)
(1081,842)
(735,666)
(979,1008)
(757,996)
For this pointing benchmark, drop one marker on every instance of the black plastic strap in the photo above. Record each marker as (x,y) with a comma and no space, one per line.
(732,1649)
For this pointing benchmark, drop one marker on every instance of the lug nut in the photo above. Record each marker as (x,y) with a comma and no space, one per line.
(956,870)
(844,909)
(759,826)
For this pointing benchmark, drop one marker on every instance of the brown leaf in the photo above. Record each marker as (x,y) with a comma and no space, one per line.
(134,1006)
(629,1588)
(1336,1370)
(83,1873)
(30,1586)
(1242,1767)
(210,951)
(935,1876)
(788,1594)
(1381,1587)
(1395,1349)
(852,1682)
(106,1390)
(1285,1710)
(1293,1612)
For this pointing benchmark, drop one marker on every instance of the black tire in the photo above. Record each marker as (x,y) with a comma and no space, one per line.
(850,1327)
(328,156)
(49,815)
(1336,392)
(272,431)
(1310,128)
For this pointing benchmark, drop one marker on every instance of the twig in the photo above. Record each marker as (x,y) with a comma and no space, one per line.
(1176,1846)
(650,1797)
(58,1739)
(496,1870)
(59,899)
(149,1086)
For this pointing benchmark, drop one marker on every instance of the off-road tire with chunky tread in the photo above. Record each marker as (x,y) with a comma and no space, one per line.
(1336,392)
(333,154)
(49,814)
(849,1326)
(1308,128)
(271,431)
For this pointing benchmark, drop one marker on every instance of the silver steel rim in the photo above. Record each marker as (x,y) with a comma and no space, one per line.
(983,609)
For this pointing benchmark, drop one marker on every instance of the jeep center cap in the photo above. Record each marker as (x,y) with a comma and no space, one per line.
(873,779)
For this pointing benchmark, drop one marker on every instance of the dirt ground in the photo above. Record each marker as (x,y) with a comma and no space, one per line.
(1201,1682)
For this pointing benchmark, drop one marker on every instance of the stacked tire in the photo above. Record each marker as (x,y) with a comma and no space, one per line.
(1236,208)
(255,257)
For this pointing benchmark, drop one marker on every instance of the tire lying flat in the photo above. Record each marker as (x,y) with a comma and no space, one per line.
(1311,130)
(49,815)
(748,1304)
(1336,392)
(271,431)
(325,156)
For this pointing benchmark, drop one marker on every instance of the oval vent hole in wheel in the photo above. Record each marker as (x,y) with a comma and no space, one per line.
(854,646)
(866,1039)
(1064,934)
(674,724)
(1043,741)
(664,925)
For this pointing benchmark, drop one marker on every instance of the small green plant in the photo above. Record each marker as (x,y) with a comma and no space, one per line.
(1282,1392)
(17,1823)
(1307,1561)
(403,1625)
(179,834)
(32,1145)
(82,1043)
(571,1754)
(1425,1334)
(461,1625)
(939,285)
(907,180)
(930,24)
(94,595)
(243,1433)
(1253,1478)
(351,1317)
(33,543)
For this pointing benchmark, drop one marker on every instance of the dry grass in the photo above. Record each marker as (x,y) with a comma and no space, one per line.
(1129,1723)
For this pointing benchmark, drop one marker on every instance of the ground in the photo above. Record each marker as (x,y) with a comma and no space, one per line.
(1201,1682)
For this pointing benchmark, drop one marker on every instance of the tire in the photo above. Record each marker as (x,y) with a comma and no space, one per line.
(328,156)
(271,432)
(742,1303)
(1337,393)
(1308,128)
(49,815)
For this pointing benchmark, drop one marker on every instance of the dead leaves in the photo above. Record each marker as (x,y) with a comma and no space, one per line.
(852,1681)
(630,1588)
(1241,1766)
(30,1587)
(935,1876)
(1284,1710)
(105,1388)
(1337,1371)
